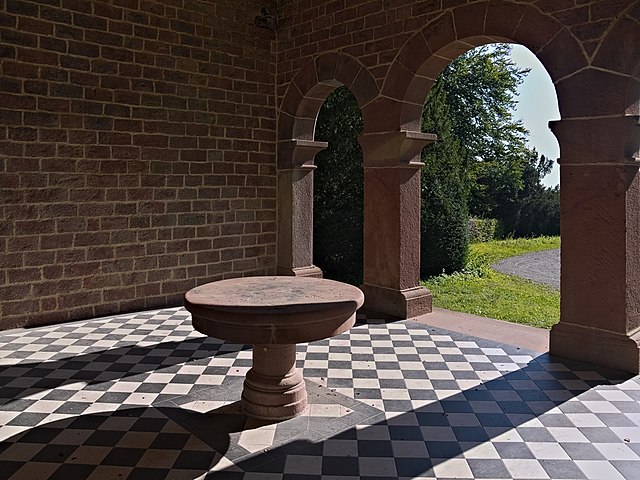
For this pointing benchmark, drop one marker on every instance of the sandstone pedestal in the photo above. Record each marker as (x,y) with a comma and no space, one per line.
(274,387)
(273,314)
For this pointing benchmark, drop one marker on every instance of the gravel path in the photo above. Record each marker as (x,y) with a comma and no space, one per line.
(540,267)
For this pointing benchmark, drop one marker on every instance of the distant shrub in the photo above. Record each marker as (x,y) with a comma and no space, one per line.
(540,214)
(482,229)
(444,242)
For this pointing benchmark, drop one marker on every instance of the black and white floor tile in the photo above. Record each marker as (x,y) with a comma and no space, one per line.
(144,396)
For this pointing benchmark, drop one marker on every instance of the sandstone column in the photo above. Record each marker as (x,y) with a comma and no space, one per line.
(600,226)
(295,207)
(392,223)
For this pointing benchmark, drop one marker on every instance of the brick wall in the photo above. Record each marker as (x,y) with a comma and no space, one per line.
(136,153)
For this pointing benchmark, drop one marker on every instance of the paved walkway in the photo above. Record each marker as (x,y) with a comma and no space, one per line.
(540,267)
(523,336)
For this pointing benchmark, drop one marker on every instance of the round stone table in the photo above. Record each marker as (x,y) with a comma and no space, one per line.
(273,314)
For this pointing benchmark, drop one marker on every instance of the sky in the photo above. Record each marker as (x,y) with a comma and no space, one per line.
(537,104)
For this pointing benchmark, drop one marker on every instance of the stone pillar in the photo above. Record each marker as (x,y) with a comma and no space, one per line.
(600,226)
(295,207)
(392,223)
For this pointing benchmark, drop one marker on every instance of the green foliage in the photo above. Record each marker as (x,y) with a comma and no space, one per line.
(482,229)
(480,290)
(492,252)
(498,296)
(339,189)
(538,210)
(540,214)
(481,88)
(443,237)
(503,174)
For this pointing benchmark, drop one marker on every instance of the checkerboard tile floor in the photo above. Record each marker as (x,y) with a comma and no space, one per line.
(144,396)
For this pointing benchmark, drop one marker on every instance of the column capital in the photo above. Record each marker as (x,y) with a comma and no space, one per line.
(298,153)
(394,149)
(598,141)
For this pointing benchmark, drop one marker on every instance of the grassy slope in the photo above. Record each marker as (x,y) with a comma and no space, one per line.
(482,291)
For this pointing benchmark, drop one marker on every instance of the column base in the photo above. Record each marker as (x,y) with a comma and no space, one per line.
(407,303)
(599,347)
(310,271)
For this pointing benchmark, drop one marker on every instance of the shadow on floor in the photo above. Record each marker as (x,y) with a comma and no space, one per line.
(415,443)
(127,443)
(157,442)
(105,366)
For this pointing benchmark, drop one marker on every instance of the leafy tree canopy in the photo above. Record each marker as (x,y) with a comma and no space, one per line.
(481,94)
(444,192)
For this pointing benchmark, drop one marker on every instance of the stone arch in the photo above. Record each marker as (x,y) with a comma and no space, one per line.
(618,55)
(311,86)
(600,208)
(458,30)
(598,97)
(604,96)
(297,150)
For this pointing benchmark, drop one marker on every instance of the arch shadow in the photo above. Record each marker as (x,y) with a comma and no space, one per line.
(142,442)
(506,412)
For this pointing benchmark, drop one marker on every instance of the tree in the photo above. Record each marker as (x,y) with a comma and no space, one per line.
(444,241)
(338,189)
(481,88)
(539,206)
(504,175)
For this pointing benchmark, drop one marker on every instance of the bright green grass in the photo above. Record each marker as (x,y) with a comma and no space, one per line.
(482,291)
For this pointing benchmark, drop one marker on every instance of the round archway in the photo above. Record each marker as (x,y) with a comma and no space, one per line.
(297,149)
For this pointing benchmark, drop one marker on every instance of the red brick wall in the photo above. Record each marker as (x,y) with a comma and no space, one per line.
(137,143)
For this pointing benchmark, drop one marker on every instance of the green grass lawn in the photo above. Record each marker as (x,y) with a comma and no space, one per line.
(482,291)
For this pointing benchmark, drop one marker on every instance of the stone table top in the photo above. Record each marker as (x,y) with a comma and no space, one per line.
(266,294)
(273,310)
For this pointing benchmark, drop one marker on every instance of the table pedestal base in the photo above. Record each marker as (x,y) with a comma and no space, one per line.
(274,389)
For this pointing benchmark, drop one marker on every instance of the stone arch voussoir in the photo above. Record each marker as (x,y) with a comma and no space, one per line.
(618,56)
(456,31)
(297,150)
(633,111)
(311,86)
(618,51)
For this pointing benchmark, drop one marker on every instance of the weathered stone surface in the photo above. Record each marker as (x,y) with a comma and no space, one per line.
(618,52)
(600,223)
